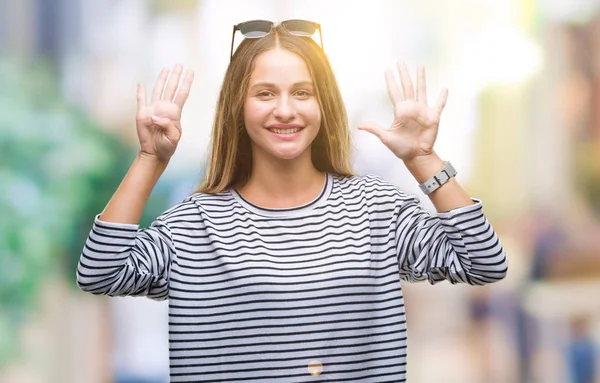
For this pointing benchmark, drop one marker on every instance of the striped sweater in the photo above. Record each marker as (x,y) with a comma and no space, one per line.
(265,295)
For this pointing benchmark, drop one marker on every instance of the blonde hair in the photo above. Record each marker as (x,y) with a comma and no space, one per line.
(230,153)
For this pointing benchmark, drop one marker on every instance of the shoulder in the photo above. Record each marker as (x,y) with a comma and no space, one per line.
(374,187)
(196,204)
(370,184)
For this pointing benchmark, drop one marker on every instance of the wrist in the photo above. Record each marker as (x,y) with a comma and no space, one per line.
(150,159)
(151,164)
(424,167)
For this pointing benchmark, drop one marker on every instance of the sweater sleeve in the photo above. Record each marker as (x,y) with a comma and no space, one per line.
(459,246)
(121,259)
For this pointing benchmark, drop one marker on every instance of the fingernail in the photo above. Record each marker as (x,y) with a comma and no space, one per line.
(155,118)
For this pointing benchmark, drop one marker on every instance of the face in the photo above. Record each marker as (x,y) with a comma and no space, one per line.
(281,111)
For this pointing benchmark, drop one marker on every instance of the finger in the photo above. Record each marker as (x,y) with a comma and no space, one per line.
(141,96)
(421,85)
(160,85)
(392,87)
(184,90)
(167,126)
(441,102)
(161,122)
(173,83)
(372,128)
(407,85)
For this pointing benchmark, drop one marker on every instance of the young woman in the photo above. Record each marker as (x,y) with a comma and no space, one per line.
(284,265)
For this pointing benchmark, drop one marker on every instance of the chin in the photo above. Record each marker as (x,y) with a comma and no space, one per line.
(287,152)
(289,155)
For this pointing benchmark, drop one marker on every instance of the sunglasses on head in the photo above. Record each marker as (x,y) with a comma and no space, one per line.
(255,29)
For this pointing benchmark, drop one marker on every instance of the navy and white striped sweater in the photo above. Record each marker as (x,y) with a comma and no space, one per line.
(257,294)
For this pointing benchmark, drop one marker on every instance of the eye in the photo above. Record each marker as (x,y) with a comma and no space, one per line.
(264,94)
(303,93)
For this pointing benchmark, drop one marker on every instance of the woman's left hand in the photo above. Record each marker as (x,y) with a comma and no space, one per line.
(415,125)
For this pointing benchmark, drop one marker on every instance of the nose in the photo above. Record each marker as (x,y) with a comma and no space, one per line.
(284,109)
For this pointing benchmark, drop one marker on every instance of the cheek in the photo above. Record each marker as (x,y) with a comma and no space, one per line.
(313,112)
(256,112)
(318,117)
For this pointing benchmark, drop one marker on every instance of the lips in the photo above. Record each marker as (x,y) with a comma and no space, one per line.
(285,130)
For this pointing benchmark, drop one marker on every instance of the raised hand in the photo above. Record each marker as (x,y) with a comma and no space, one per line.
(159,122)
(415,126)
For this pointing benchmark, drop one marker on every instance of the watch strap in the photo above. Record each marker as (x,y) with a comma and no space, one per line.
(438,179)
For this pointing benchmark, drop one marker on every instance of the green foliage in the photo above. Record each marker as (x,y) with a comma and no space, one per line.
(57,170)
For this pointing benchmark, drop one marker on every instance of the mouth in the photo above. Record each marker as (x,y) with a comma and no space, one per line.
(285,130)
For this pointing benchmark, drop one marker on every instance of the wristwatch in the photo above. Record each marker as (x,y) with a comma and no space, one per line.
(438,179)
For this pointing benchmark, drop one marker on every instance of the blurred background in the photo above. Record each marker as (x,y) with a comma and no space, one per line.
(522,126)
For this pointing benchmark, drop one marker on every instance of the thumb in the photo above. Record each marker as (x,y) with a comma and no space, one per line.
(372,128)
(167,126)
(162,122)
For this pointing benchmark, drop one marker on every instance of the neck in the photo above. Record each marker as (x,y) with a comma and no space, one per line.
(283,184)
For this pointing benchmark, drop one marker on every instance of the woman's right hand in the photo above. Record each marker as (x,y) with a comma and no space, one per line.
(159,122)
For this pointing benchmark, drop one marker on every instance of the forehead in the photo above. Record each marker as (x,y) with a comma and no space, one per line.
(279,65)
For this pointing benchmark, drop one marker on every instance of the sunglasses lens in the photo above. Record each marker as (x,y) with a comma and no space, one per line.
(300,27)
(255,28)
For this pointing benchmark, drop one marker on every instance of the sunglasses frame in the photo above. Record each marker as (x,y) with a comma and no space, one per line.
(237,27)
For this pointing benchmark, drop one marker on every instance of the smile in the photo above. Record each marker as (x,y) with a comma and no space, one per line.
(285,131)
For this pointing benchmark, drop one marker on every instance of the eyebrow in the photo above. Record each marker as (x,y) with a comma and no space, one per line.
(272,85)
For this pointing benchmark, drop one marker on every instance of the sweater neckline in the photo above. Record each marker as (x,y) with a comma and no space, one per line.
(291,211)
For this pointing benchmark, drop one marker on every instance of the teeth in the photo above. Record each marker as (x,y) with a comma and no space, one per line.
(285,131)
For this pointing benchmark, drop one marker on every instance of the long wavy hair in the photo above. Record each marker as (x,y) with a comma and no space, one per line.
(230,153)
